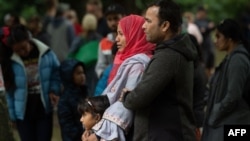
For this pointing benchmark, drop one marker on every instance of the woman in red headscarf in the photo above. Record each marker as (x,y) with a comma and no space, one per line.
(133,55)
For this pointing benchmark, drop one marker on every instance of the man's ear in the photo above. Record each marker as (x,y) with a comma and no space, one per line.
(165,26)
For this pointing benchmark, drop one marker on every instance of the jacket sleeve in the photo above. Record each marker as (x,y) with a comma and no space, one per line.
(67,120)
(238,64)
(103,81)
(200,81)
(70,34)
(158,74)
(101,62)
(10,104)
(55,82)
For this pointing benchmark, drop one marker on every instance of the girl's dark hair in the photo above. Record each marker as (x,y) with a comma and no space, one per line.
(169,11)
(18,34)
(80,64)
(231,29)
(94,105)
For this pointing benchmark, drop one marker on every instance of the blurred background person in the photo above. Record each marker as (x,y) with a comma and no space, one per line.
(95,7)
(62,33)
(228,94)
(85,47)
(206,26)
(6,130)
(71,15)
(192,28)
(11,19)
(35,26)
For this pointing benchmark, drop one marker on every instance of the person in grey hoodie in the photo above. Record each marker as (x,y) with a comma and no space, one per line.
(163,99)
(61,33)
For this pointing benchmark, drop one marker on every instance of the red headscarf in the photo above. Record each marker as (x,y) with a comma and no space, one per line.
(135,41)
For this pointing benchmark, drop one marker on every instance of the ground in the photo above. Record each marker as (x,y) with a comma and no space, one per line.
(56,131)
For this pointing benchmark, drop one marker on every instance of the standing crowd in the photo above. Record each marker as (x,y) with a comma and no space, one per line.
(119,76)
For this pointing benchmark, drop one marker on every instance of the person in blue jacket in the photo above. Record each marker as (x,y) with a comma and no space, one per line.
(31,92)
(103,81)
(73,77)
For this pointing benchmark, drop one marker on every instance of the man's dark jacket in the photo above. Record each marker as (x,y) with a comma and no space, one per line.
(163,100)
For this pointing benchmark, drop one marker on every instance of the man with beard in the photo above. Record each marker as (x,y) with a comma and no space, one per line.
(113,14)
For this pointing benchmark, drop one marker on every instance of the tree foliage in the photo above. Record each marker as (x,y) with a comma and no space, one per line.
(217,9)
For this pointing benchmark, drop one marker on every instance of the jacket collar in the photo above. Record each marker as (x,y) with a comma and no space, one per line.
(42,48)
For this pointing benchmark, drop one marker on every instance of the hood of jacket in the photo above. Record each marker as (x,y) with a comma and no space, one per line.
(182,44)
(57,21)
(42,48)
(66,71)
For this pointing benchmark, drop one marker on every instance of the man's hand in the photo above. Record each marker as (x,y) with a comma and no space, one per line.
(124,92)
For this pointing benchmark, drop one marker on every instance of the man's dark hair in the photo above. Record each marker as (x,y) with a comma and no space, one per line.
(169,11)
(115,8)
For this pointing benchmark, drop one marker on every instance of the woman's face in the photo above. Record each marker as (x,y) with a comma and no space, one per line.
(79,76)
(88,120)
(22,48)
(120,39)
(221,42)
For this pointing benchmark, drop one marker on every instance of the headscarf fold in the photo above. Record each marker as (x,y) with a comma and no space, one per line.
(136,42)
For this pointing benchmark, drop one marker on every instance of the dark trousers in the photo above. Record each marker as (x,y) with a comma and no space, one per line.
(36,129)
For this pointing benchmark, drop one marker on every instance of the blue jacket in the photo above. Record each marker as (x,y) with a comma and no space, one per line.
(49,79)
(103,81)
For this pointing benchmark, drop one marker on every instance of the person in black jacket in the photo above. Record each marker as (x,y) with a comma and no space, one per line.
(228,88)
(73,77)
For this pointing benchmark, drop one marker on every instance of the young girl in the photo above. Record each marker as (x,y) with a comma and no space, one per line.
(92,110)
(73,77)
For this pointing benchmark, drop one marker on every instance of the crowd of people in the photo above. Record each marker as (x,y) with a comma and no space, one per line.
(119,76)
